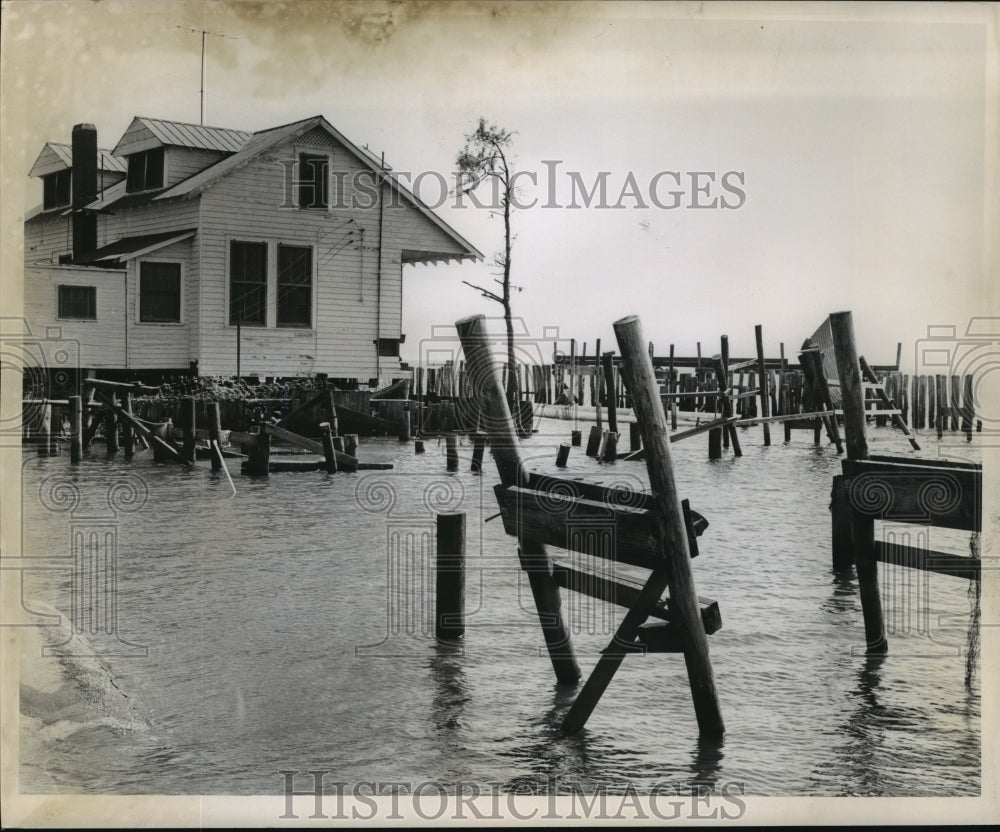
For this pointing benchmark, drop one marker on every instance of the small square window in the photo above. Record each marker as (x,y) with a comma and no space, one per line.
(78,302)
(314,172)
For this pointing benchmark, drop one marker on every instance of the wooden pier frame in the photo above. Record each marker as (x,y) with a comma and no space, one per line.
(673,571)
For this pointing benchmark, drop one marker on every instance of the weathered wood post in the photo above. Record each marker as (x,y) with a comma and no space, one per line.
(715,443)
(765,395)
(594,440)
(727,407)
(404,423)
(188,427)
(43,430)
(815,376)
(563,456)
(451,451)
(940,386)
(450,573)
(350,444)
(634,436)
(503,441)
(723,383)
(607,361)
(671,533)
(869,374)
(161,431)
(609,446)
(215,434)
(418,446)
(329,452)
(338,442)
(478,447)
(128,433)
(956,408)
(258,461)
(862,528)
(76,429)
(842,537)
(576,438)
(968,408)
(111,430)
(331,410)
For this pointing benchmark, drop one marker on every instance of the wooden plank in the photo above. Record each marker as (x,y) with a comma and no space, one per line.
(345,462)
(624,591)
(934,495)
(957,566)
(897,420)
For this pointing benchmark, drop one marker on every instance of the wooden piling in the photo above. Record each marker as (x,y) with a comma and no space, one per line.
(634,436)
(418,446)
(404,423)
(329,452)
(862,528)
(338,442)
(503,441)
(450,574)
(188,427)
(259,454)
(563,456)
(128,433)
(607,360)
(955,399)
(715,443)
(43,430)
(610,446)
(940,391)
(111,431)
(815,376)
(350,444)
(594,440)
(727,407)
(478,447)
(765,402)
(576,438)
(968,408)
(842,537)
(671,532)
(869,375)
(215,433)
(76,429)
(451,450)
(724,384)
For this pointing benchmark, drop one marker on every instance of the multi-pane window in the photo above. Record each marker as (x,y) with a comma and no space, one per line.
(145,170)
(247,283)
(314,171)
(294,285)
(78,302)
(160,292)
(56,189)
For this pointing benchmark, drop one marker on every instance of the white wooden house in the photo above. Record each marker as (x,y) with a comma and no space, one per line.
(190,248)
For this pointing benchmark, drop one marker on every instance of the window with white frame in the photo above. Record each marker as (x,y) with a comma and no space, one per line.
(247,283)
(159,292)
(294,286)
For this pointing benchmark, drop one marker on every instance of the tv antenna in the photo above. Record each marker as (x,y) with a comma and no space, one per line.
(203,34)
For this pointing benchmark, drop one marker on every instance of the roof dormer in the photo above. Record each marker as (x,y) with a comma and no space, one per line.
(54,166)
(162,153)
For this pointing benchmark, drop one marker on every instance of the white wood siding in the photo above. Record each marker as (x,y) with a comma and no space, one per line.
(163,345)
(182,162)
(348,313)
(101,342)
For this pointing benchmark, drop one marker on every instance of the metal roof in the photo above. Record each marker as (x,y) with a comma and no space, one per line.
(59,156)
(128,248)
(181,134)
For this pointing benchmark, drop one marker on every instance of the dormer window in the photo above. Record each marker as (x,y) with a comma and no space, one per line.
(56,187)
(145,170)
(314,170)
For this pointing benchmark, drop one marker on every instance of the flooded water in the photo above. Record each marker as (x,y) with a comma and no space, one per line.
(289,627)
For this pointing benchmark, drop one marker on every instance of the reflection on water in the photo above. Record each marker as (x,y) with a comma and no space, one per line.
(706,761)
(451,690)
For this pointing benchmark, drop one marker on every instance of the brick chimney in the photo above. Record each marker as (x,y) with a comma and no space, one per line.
(84,189)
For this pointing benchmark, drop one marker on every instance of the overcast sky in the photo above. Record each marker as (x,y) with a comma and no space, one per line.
(863,150)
